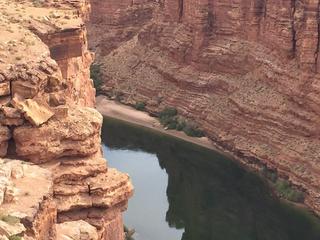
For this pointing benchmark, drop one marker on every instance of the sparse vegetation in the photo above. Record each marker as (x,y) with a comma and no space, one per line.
(9,219)
(169,118)
(285,190)
(15,237)
(140,106)
(96,76)
(282,187)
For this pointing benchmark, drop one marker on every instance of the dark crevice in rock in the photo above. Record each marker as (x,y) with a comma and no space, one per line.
(181,6)
(293,29)
(210,18)
(260,7)
(89,189)
(318,42)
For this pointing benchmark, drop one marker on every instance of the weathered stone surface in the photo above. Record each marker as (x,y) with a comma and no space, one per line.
(77,169)
(76,135)
(5,135)
(4,101)
(4,88)
(11,121)
(9,229)
(35,113)
(108,221)
(11,194)
(76,230)
(94,192)
(33,207)
(11,112)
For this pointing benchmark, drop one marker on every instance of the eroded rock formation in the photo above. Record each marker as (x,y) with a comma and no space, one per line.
(246,71)
(61,187)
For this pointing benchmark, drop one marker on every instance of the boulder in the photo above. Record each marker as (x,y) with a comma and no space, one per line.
(78,134)
(11,112)
(35,113)
(10,228)
(11,194)
(5,89)
(76,230)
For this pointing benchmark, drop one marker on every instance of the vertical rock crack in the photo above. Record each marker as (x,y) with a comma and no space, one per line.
(293,29)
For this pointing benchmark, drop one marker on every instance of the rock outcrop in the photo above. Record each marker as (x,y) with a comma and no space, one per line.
(246,71)
(61,187)
(24,211)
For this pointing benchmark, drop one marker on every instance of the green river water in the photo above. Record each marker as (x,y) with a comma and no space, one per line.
(186,192)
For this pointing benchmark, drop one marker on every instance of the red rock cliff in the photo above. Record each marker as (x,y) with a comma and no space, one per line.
(246,71)
(61,186)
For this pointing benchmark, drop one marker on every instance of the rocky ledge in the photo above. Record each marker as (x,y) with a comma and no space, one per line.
(54,182)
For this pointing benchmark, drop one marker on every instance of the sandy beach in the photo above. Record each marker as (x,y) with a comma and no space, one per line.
(129,114)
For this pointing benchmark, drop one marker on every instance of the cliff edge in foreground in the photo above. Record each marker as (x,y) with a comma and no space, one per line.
(54,183)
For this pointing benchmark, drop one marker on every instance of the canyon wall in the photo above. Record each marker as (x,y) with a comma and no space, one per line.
(54,182)
(246,71)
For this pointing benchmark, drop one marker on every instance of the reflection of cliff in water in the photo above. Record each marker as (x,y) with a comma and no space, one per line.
(212,197)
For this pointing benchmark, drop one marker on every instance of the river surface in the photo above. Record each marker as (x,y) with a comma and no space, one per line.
(186,192)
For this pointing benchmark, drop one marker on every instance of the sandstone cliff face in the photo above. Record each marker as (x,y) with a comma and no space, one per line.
(61,187)
(246,71)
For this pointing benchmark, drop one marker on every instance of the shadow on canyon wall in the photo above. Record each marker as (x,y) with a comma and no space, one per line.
(212,197)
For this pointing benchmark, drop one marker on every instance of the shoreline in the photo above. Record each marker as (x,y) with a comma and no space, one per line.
(119,111)
(115,110)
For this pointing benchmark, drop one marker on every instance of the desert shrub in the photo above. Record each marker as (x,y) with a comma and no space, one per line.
(15,237)
(96,76)
(285,190)
(181,125)
(140,106)
(168,112)
(10,219)
(192,130)
(170,119)
(172,123)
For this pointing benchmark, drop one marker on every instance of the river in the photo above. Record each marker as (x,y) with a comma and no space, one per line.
(186,192)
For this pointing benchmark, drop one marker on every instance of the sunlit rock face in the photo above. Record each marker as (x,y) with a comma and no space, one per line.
(48,124)
(246,71)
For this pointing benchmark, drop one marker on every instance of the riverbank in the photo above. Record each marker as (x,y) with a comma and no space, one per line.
(129,114)
(115,110)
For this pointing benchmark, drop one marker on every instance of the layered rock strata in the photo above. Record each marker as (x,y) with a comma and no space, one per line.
(245,71)
(61,187)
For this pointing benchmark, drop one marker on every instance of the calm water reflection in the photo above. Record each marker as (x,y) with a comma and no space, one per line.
(186,192)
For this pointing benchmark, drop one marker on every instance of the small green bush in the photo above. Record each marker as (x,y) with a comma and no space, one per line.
(96,76)
(193,131)
(168,112)
(286,191)
(170,119)
(181,125)
(140,106)
(172,124)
